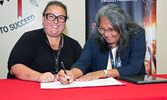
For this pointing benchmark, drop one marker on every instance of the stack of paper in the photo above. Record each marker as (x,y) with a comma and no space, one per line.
(98,82)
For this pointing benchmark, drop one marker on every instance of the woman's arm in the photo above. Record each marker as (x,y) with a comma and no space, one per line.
(99,74)
(25,73)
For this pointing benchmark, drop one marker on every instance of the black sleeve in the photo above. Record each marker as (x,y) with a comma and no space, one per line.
(78,50)
(22,52)
(70,52)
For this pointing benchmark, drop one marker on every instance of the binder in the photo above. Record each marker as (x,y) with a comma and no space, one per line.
(142,79)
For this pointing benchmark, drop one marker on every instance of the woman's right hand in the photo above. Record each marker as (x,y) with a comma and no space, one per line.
(65,79)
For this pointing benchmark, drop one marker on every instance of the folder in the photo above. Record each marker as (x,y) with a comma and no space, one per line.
(142,79)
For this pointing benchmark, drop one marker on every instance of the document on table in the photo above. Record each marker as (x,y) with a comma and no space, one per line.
(93,83)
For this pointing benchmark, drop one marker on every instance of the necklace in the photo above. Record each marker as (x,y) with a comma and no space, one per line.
(56,57)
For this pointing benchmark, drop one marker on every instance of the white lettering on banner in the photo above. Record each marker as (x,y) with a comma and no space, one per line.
(126,0)
(118,0)
(21,23)
(17,24)
(108,0)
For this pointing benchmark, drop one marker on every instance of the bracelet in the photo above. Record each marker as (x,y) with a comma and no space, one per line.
(105,73)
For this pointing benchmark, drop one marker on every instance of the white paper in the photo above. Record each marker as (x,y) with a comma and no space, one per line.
(98,82)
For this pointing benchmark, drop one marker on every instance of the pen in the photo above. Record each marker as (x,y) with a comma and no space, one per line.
(65,71)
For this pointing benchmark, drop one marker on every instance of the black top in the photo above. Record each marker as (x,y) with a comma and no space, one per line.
(33,51)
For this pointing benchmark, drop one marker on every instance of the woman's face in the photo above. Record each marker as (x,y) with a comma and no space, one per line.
(111,36)
(54,28)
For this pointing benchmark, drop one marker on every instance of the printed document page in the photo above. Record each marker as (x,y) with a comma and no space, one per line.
(98,82)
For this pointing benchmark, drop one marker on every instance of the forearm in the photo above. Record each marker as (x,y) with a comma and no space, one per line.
(98,74)
(25,73)
(76,72)
(112,73)
(101,73)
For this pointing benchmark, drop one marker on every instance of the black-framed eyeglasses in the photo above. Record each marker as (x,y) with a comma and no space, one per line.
(52,17)
(102,30)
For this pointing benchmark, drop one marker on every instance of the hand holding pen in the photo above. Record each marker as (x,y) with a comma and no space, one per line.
(65,72)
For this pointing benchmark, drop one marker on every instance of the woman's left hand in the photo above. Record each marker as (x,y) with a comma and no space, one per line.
(91,76)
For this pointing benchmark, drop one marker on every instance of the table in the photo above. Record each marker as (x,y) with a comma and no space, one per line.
(14,89)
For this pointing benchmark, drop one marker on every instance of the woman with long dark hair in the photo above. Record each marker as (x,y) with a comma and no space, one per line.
(116,48)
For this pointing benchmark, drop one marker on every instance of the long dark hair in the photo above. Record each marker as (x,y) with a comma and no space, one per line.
(121,23)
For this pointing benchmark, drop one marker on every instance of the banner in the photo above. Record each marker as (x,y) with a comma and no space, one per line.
(142,12)
(17,17)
